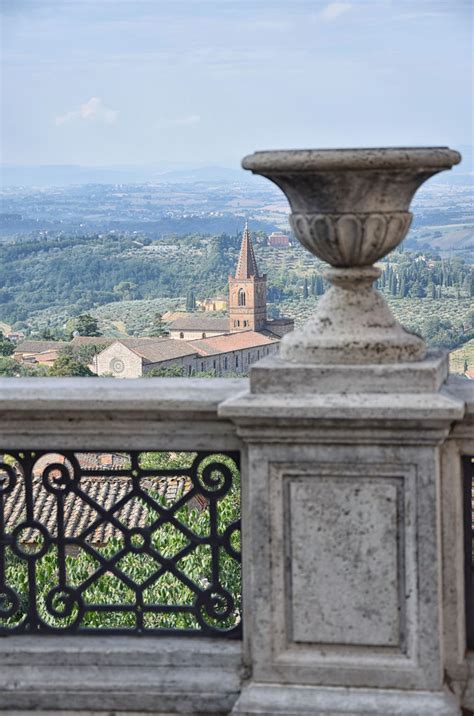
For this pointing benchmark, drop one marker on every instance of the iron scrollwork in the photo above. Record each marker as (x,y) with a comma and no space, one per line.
(129,542)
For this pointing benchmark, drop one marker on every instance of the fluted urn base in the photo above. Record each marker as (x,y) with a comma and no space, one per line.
(352,325)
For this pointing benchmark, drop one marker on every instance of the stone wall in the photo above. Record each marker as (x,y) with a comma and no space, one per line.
(193,335)
(119,361)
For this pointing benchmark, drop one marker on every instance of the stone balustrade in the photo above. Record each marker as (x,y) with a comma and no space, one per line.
(347,499)
(351,445)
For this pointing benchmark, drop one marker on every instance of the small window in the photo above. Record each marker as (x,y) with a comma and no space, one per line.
(241,297)
(236,361)
(202,367)
(238,324)
(214,364)
(245,324)
(258,355)
(225,363)
(204,335)
(181,335)
(190,370)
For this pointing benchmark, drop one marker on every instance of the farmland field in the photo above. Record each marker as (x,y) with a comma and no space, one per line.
(460,356)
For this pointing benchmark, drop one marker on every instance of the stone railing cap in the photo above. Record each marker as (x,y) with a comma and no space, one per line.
(313,160)
(93,394)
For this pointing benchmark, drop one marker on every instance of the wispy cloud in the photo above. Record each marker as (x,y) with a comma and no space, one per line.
(186,121)
(334,10)
(92,111)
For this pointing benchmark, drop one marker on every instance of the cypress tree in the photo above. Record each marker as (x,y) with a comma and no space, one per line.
(305,288)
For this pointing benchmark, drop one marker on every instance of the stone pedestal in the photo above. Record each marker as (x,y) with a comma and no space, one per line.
(342,538)
(340,516)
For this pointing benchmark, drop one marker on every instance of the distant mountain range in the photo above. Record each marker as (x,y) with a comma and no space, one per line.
(69,175)
(170,172)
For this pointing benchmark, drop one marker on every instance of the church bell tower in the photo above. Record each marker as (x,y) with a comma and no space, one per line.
(247,291)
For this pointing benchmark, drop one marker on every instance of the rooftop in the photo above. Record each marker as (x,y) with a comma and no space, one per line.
(233,342)
(200,322)
(154,350)
(39,346)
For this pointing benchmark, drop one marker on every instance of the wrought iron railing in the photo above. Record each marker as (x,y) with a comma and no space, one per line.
(128,542)
(468,485)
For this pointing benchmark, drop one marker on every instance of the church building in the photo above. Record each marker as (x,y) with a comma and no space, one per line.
(247,304)
(200,343)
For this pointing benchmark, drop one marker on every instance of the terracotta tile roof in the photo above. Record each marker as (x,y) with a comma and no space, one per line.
(44,357)
(79,515)
(154,350)
(92,341)
(38,346)
(171,315)
(233,342)
(105,491)
(199,322)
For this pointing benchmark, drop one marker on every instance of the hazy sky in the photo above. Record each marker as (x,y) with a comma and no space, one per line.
(132,82)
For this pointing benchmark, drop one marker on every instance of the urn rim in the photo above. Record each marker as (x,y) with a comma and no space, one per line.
(291,161)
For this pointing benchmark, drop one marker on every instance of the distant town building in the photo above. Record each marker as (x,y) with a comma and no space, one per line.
(15,336)
(189,326)
(133,357)
(46,352)
(231,353)
(38,351)
(218,303)
(278,239)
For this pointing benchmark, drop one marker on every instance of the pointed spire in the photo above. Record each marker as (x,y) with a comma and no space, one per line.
(247,264)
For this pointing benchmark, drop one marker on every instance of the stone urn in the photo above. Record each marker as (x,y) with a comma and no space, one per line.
(349,207)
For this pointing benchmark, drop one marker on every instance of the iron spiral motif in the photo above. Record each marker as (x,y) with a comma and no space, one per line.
(117,543)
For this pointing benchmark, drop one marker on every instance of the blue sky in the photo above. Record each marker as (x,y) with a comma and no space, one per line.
(136,82)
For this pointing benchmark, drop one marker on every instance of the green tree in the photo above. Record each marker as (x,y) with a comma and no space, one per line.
(46,335)
(171,371)
(84,354)
(7,347)
(8,367)
(126,290)
(190,301)
(159,328)
(87,325)
(67,365)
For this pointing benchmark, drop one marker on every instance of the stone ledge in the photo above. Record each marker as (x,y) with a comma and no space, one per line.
(286,700)
(102,394)
(274,375)
(159,676)
(431,408)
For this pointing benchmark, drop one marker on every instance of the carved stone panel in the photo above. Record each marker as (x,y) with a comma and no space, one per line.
(344,581)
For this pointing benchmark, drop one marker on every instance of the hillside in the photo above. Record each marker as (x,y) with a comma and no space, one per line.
(125,282)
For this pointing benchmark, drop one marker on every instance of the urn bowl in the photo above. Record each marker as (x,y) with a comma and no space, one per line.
(349,207)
